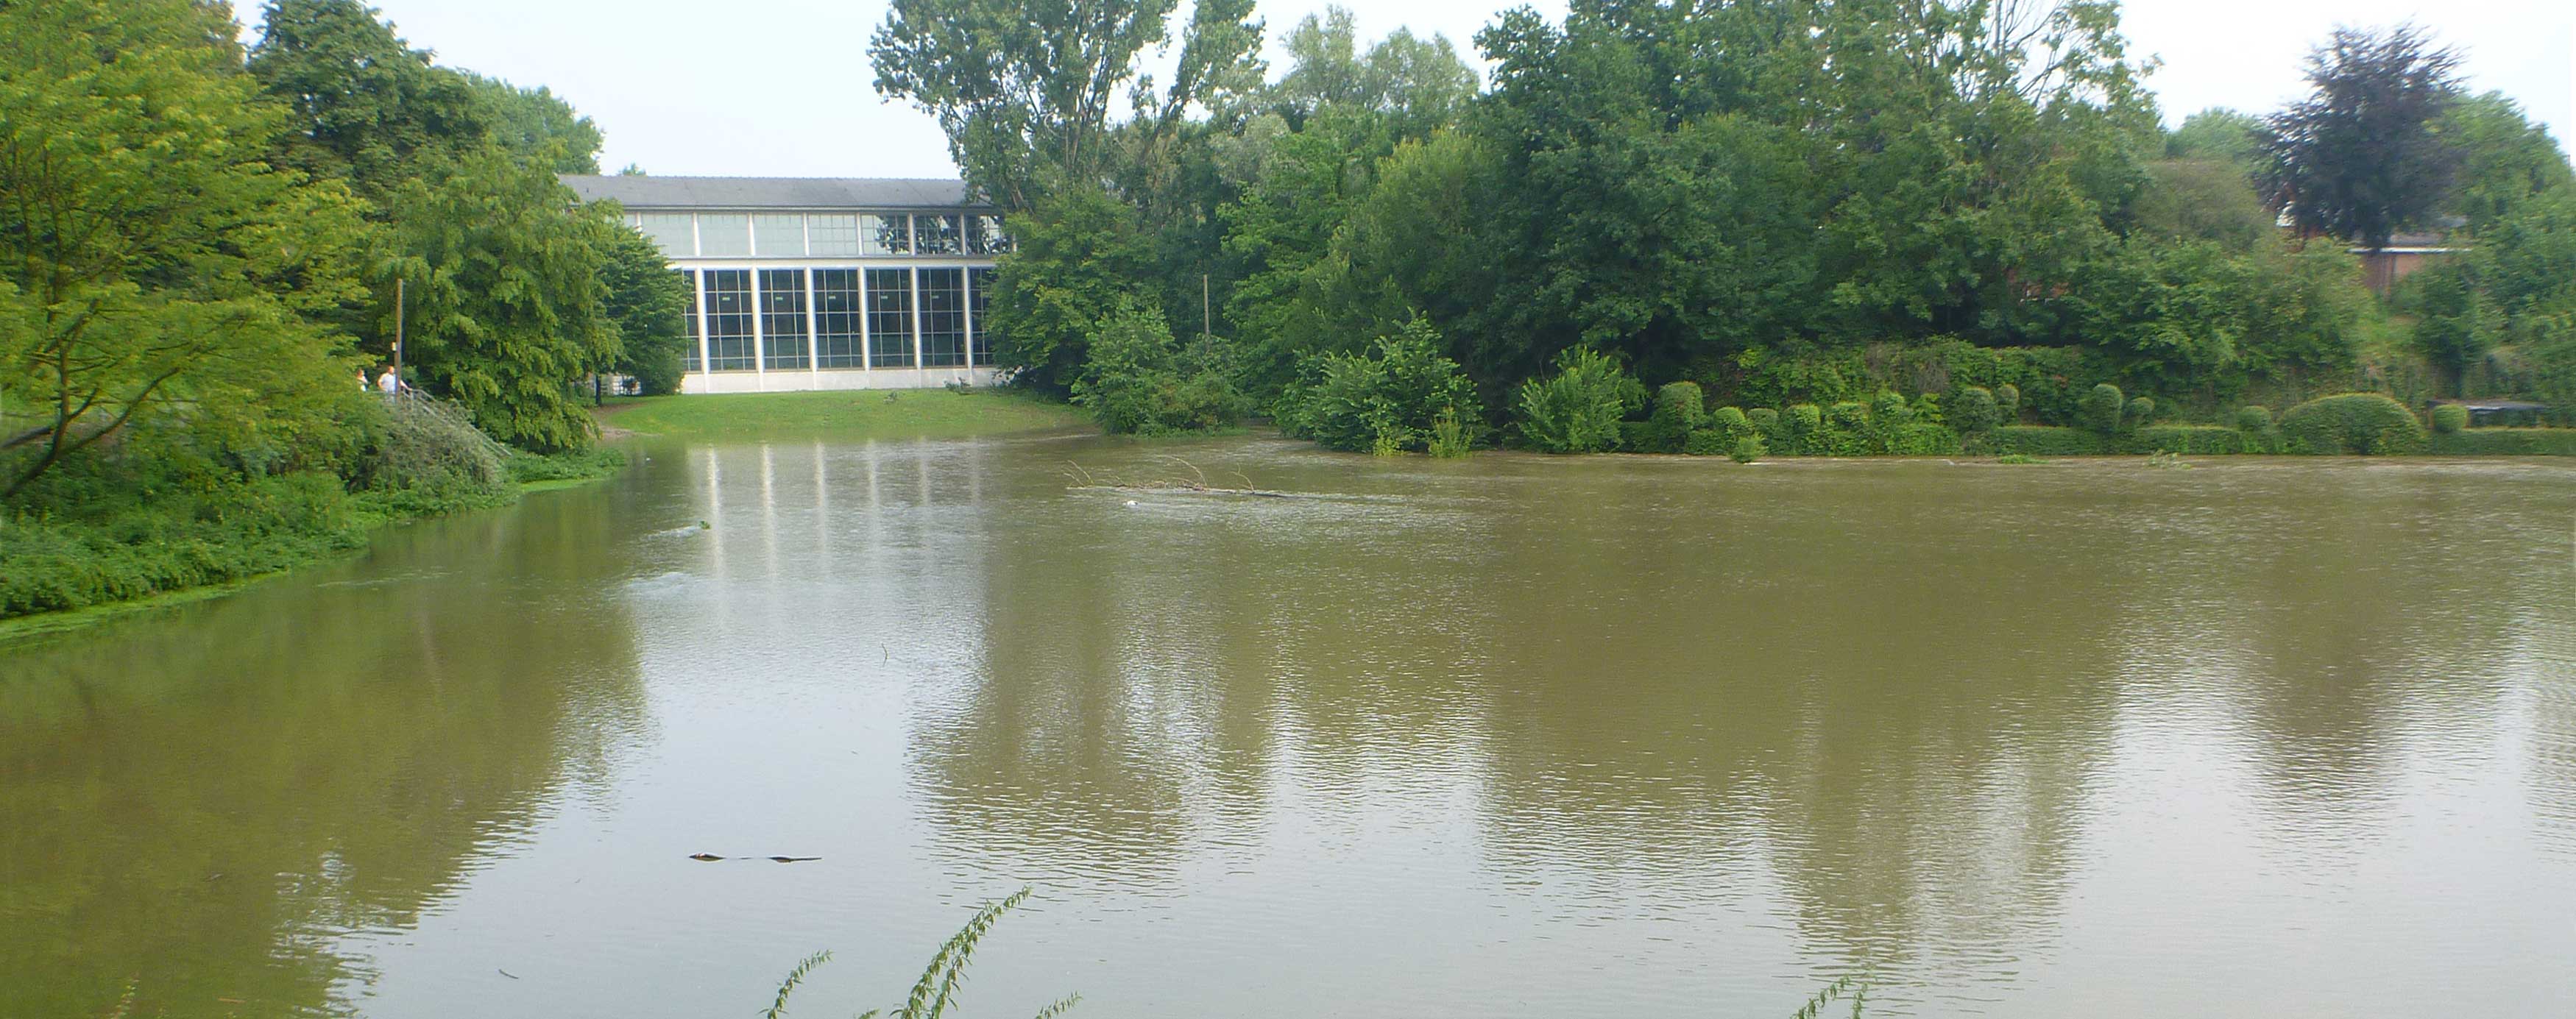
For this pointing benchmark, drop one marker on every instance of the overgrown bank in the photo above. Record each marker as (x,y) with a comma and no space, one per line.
(157,517)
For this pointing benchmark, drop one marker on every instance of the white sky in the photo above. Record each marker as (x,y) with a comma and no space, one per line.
(783,88)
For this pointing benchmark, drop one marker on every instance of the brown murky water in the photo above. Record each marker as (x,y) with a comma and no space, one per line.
(1509,736)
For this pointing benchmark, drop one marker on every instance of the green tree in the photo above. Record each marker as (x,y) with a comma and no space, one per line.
(2505,159)
(538,124)
(507,294)
(647,303)
(152,263)
(1415,84)
(2362,157)
(1080,257)
(1139,380)
(364,103)
(2219,135)
(1025,91)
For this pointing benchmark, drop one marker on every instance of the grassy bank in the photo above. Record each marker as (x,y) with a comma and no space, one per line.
(117,541)
(849,414)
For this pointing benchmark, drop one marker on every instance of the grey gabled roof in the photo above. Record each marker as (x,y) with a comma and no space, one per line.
(768,192)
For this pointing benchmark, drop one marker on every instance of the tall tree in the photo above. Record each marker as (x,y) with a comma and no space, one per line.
(538,124)
(365,103)
(152,263)
(1025,91)
(506,293)
(2361,157)
(2220,135)
(2505,159)
(646,301)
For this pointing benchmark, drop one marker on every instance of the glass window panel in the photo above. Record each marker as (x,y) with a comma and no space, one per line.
(984,236)
(729,320)
(885,234)
(889,318)
(724,235)
(779,233)
(838,342)
(979,295)
(669,231)
(943,318)
(937,235)
(689,325)
(831,234)
(782,319)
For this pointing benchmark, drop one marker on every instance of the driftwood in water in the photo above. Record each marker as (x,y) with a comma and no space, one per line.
(1195,484)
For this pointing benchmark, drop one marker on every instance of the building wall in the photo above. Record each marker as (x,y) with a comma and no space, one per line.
(831,299)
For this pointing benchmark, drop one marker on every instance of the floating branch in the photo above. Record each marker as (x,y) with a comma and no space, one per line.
(1194,483)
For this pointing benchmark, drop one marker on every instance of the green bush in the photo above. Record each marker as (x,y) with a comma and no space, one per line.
(1450,436)
(1804,429)
(1973,411)
(2450,418)
(2210,439)
(1678,410)
(2008,404)
(2043,440)
(1135,380)
(1766,423)
(2100,409)
(2139,412)
(1394,397)
(2506,442)
(1707,442)
(136,536)
(1747,450)
(1924,439)
(2253,420)
(1578,409)
(1732,423)
(2367,423)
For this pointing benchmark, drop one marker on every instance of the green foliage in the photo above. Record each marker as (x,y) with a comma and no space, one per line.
(2008,403)
(507,294)
(2505,159)
(2194,439)
(2221,136)
(1748,449)
(2506,442)
(2019,458)
(2364,423)
(1578,409)
(154,269)
(2044,440)
(1802,429)
(2450,418)
(647,303)
(2101,409)
(1727,428)
(1921,438)
(1678,411)
(1973,411)
(1080,255)
(1450,436)
(365,106)
(1766,423)
(1396,396)
(2253,420)
(2139,411)
(935,994)
(2455,324)
(538,125)
(1139,381)
(105,532)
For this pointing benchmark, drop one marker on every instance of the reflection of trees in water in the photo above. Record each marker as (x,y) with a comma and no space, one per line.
(194,802)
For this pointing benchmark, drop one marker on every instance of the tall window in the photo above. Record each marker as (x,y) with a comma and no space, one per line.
(889,318)
(724,235)
(782,319)
(979,295)
(673,232)
(937,235)
(832,235)
(689,325)
(779,233)
(885,234)
(984,236)
(837,340)
(943,318)
(729,320)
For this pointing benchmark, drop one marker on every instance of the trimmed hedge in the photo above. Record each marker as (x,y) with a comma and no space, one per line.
(2449,418)
(2351,423)
(2506,442)
(2210,439)
(1920,439)
(2043,440)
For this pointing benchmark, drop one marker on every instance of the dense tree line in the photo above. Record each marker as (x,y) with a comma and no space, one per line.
(1782,201)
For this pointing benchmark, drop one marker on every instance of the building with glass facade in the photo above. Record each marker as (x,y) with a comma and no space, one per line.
(821,282)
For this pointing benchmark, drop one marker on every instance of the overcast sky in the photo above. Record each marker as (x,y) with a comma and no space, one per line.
(782,87)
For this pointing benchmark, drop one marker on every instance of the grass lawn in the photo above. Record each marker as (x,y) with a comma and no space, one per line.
(846,414)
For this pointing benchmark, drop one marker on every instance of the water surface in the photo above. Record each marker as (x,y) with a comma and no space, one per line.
(1509,736)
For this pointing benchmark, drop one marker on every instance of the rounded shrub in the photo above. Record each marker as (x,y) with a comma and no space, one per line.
(1804,426)
(2449,418)
(2140,410)
(1578,409)
(2008,403)
(1731,422)
(2100,409)
(1747,450)
(1679,409)
(2253,420)
(1766,423)
(2351,423)
(1973,410)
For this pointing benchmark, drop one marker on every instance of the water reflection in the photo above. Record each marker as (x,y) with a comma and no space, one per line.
(198,801)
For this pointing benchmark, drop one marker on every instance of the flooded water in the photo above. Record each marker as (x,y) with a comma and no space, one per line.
(1508,736)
